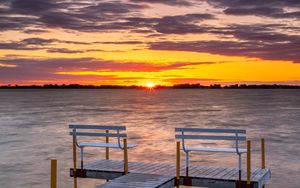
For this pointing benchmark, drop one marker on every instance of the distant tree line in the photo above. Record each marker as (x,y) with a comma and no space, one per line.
(176,86)
(235,86)
(68,86)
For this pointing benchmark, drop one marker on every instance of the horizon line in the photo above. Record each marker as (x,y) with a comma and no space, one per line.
(174,86)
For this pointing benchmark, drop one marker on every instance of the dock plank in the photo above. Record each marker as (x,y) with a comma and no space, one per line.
(200,175)
(134,180)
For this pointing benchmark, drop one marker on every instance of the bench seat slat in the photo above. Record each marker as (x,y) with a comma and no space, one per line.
(224,150)
(104,145)
(210,137)
(211,130)
(99,134)
(102,127)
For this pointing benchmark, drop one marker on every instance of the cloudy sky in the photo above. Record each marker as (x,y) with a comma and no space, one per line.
(140,41)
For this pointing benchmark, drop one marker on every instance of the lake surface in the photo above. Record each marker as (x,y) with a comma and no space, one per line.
(34,128)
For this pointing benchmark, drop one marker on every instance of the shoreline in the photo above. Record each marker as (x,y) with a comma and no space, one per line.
(178,86)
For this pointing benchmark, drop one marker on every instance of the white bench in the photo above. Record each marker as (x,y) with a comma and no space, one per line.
(236,135)
(93,131)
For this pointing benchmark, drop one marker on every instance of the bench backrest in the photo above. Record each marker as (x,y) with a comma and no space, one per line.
(107,128)
(116,129)
(210,134)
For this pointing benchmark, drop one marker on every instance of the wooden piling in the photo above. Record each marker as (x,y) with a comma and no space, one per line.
(177,163)
(263,159)
(107,148)
(248,163)
(74,158)
(53,179)
(125,156)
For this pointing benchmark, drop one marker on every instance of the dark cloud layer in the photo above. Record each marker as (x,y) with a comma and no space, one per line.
(41,69)
(269,8)
(167,2)
(182,24)
(91,64)
(75,15)
(262,11)
(266,41)
(35,44)
(267,3)
(286,51)
(258,41)
(94,16)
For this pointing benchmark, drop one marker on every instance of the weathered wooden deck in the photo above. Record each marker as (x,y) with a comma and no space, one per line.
(134,180)
(215,177)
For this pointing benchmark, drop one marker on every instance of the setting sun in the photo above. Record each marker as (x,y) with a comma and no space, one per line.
(150,85)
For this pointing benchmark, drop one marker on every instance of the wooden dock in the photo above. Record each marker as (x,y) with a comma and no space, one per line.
(134,180)
(163,175)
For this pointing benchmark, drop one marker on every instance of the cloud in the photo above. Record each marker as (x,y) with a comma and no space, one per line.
(274,8)
(240,3)
(178,24)
(191,80)
(257,40)
(33,6)
(266,41)
(35,44)
(68,68)
(16,22)
(262,11)
(166,2)
(182,24)
(35,31)
(120,42)
(103,16)
(261,33)
(269,51)
(91,64)
(258,11)
(64,50)
(75,15)
(91,16)
(6,65)
(94,16)
(46,44)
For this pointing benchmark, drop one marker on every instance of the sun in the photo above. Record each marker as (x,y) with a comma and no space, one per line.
(150,85)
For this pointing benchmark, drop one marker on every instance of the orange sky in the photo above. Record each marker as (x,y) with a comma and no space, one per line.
(140,42)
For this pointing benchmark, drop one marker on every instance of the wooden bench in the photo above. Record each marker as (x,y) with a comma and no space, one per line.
(93,131)
(236,135)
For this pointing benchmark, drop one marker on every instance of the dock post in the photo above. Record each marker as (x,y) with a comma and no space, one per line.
(74,158)
(248,163)
(125,156)
(107,148)
(177,164)
(53,178)
(263,159)
(263,162)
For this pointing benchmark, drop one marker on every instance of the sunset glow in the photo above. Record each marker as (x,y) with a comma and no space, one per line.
(129,42)
(150,85)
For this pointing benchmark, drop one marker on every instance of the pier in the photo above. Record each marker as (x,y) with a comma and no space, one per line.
(122,173)
(163,175)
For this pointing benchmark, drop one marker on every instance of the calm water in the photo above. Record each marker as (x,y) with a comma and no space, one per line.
(34,128)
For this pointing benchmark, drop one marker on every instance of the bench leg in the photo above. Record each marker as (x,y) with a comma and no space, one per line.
(81,155)
(240,167)
(240,171)
(187,164)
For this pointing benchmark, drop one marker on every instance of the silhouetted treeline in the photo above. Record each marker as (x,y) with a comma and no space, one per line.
(196,86)
(177,86)
(235,86)
(69,86)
